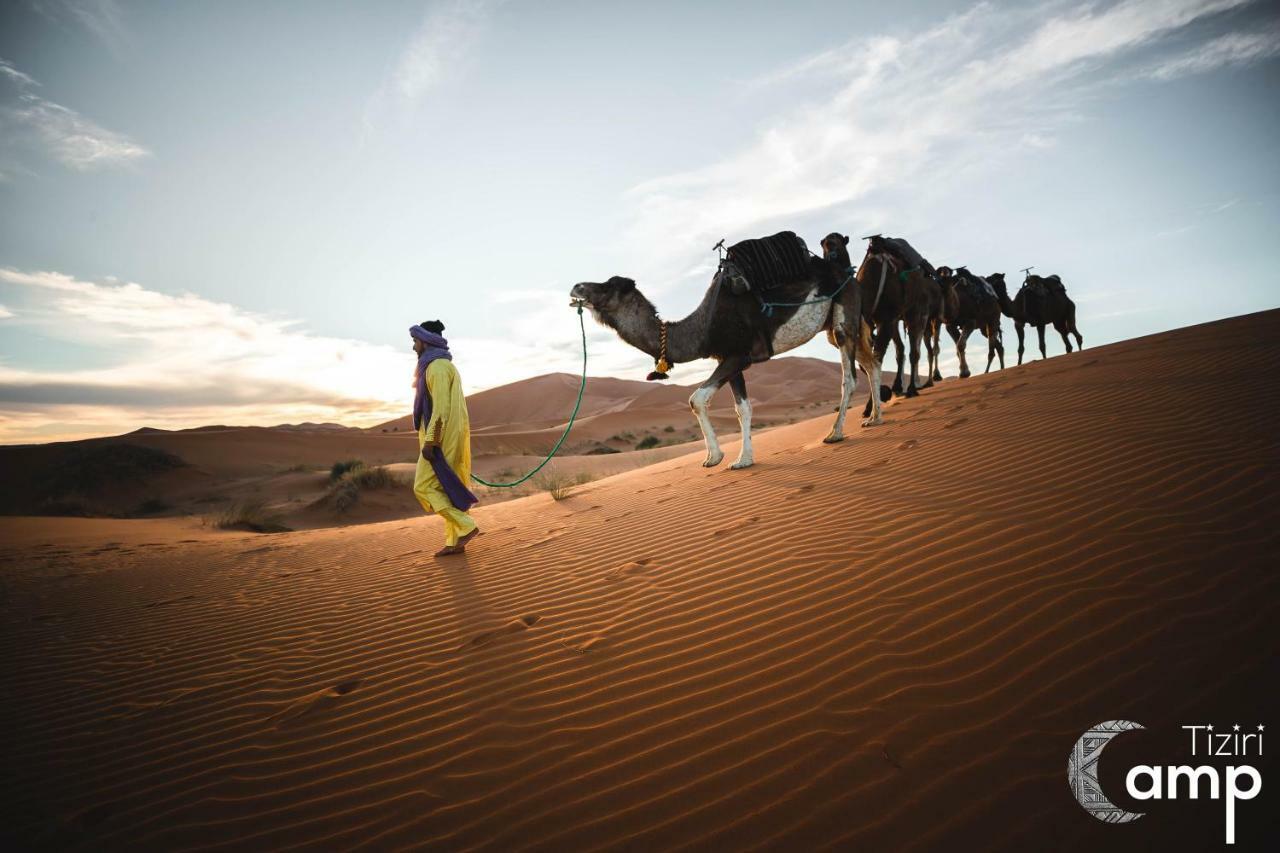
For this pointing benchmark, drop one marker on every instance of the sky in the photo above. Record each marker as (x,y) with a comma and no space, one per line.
(231,213)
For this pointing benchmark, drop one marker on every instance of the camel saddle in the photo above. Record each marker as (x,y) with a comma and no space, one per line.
(971,280)
(768,262)
(904,252)
(1046,284)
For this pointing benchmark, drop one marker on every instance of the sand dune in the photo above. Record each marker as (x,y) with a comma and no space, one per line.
(889,643)
(286,466)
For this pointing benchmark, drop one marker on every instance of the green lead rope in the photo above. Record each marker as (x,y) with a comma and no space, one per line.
(577,405)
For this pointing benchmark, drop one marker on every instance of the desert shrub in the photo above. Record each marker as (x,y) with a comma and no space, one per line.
(377,477)
(601,450)
(560,486)
(250,514)
(344,493)
(647,442)
(339,468)
(668,428)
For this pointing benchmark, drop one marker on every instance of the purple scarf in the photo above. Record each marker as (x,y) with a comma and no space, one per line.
(436,347)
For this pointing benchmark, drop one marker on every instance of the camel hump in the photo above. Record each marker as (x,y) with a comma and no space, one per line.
(771,261)
(903,251)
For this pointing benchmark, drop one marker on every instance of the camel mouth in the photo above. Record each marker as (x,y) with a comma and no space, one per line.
(578,296)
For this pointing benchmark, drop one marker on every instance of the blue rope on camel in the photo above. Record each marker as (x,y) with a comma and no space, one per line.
(767,307)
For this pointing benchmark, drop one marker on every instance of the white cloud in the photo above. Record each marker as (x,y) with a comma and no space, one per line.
(907,113)
(103,18)
(5,313)
(64,134)
(435,53)
(181,361)
(1229,49)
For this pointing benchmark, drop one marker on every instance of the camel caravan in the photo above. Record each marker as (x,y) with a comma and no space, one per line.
(772,294)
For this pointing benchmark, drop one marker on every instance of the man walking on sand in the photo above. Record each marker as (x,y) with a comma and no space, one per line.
(444,438)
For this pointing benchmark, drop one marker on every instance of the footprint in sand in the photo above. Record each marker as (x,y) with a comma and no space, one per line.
(515,626)
(551,535)
(799,490)
(955,423)
(634,567)
(724,531)
(908,444)
(318,702)
(168,601)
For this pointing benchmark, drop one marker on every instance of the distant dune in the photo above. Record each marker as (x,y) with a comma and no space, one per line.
(287,466)
(886,644)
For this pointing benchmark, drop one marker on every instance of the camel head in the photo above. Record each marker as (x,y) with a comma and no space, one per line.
(996,279)
(609,300)
(835,248)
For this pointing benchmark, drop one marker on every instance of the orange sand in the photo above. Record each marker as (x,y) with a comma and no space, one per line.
(889,643)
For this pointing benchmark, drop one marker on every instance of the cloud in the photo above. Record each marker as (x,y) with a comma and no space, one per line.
(435,52)
(1229,49)
(904,113)
(102,18)
(64,134)
(180,360)
(5,313)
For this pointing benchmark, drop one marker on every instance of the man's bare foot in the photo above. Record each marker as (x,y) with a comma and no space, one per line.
(449,550)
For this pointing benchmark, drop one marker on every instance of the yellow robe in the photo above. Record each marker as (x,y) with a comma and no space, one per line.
(452,427)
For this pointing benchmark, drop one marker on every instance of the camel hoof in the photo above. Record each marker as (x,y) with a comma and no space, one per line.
(937,376)
(928,384)
(886,394)
(870,422)
(912,392)
(740,464)
(964,374)
(833,439)
(713,461)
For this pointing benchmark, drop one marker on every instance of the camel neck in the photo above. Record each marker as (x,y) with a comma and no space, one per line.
(686,338)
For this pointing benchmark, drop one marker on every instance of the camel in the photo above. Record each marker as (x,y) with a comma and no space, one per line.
(1041,301)
(893,292)
(948,307)
(730,326)
(973,305)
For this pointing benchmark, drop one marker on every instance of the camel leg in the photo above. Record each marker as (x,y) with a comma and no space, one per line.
(936,375)
(914,335)
(1061,328)
(870,363)
(848,378)
(1040,332)
(1022,329)
(897,351)
(876,355)
(699,400)
(962,346)
(999,339)
(991,346)
(742,405)
(1071,326)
